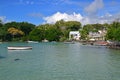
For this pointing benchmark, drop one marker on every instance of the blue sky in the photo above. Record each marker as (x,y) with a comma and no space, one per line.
(42,11)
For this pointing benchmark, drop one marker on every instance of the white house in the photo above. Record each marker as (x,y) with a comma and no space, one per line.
(74,35)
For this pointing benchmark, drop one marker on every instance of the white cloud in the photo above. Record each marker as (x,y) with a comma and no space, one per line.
(3,19)
(94,6)
(66,17)
(107,18)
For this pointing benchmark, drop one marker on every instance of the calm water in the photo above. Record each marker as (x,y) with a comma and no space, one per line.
(59,61)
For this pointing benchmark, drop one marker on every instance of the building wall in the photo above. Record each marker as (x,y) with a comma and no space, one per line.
(100,35)
(74,35)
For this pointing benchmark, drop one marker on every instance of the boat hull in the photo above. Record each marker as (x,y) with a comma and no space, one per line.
(19,48)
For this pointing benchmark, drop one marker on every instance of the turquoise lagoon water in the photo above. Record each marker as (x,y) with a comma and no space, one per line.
(59,61)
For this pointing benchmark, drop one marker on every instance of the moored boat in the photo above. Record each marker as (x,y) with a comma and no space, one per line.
(69,42)
(32,41)
(101,43)
(19,47)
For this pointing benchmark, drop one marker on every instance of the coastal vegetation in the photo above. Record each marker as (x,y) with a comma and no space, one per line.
(23,31)
(113,32)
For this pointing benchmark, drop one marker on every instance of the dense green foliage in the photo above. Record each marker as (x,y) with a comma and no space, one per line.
(36,35)
(69,25)
(113,32)
(21,26)
(23,31)
(53,34)
(2,31)
(83,34)
(94,27)
(56,32)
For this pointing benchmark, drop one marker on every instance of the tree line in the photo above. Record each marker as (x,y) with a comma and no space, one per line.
(24,31)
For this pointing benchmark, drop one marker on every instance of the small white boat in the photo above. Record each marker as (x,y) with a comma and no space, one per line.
(69,42)
(19,47)
(45,40)
(32,41)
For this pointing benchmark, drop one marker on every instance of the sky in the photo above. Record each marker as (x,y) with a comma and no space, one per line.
(49,11)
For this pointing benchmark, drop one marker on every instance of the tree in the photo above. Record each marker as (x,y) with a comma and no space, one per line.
(26,27)
(23,26)
(83,34)
(73,25)
(98,26)
(88,28)
(53,34)
(36,35)
(1,25)
(11,24)
(113,32)
(15,32)
(2,33)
